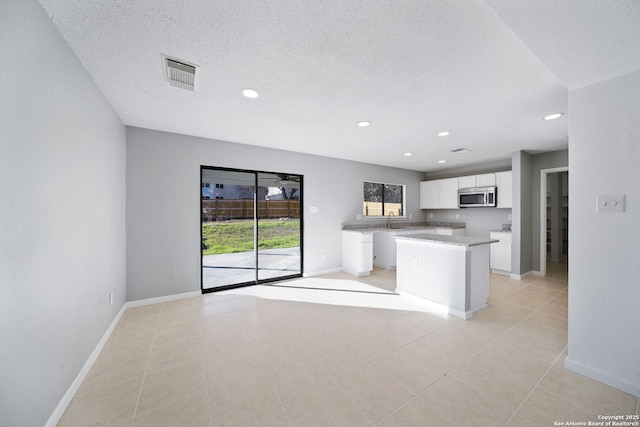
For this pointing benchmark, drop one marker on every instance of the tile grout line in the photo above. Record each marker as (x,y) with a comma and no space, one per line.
(206,377)
(146,367)
(535,387)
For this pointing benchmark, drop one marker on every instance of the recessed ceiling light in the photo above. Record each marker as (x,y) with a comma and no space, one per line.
(554,116)
(408,154)
(445,133)
(250,93)
(364,124)
(442,161)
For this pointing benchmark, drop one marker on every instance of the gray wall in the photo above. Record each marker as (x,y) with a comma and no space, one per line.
(521,213)
(553,159)
(163,226)
(62,215)
(604,266)
(475,169)
(479,221)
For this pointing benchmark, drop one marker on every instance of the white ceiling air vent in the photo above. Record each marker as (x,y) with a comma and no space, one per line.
(460,150)
(179,74)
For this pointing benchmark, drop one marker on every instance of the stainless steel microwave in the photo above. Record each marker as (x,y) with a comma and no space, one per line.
(477,197)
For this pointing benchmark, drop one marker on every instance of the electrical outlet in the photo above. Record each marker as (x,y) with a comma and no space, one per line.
(323,257)
(457,216)
(430,215)
(509,217)
(414,262)
(410,216)
(359,217)
(609,204)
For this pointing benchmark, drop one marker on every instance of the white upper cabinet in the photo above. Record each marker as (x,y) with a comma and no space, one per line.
(429,195)
(449,193)
(504,182)
(467,181)
(484,180)
(439,194)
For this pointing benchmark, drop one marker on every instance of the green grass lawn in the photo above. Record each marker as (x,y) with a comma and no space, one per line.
(237,235)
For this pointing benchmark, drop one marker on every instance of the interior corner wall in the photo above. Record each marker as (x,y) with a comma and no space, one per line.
(552,159)
(604,268)
(163,204)
(62,215)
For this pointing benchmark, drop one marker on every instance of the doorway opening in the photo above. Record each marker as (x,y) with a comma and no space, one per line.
(250,228)
(554,219)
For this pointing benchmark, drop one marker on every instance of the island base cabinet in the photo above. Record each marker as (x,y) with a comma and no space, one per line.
(450,278)
(357,253)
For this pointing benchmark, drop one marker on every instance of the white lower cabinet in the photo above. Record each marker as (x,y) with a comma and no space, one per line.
(357,252)
(384,243)
(500,253)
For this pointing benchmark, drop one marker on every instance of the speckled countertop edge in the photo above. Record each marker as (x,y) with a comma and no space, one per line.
(449,240)
(398,225)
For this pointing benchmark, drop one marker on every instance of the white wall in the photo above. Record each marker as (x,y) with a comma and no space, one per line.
(163,227)
(62,215)
(604,265)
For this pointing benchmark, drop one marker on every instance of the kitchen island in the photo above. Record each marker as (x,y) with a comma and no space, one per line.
(450,273)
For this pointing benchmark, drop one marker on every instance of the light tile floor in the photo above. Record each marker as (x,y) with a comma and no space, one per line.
(306,353)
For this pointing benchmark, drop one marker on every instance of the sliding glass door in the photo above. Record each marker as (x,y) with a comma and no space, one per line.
(251,227)
(279,228)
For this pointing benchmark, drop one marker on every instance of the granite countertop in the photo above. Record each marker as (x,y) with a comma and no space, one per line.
(400,225)
(447,240)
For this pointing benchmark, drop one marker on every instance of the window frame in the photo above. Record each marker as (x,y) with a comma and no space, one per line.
(403,203)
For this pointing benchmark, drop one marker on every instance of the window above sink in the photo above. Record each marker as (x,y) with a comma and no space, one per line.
(383,199)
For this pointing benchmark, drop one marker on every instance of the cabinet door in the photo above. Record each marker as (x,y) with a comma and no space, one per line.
(429,195)
(501,256)
(449,193)
(366,263)
(486,180)
(467,181)
(505,189)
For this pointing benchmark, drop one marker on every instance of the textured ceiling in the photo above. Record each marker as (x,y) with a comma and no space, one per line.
(581,41)
(411,68)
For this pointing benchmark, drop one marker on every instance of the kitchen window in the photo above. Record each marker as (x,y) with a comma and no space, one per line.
(382,199)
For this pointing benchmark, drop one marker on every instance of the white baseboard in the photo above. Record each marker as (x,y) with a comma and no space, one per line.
(603,377)
(73,389)
(321,272)
(156,300)
(75,385)
(525,275)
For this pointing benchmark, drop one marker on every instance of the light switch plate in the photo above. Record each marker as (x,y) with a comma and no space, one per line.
(313,209)
(609,204)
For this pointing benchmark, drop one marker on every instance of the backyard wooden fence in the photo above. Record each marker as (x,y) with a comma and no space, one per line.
(221,210)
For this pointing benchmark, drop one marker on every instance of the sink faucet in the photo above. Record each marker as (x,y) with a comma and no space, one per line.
(390,219)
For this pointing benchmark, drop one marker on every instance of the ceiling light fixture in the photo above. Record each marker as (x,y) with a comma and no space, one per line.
(554,116)
(408,154)
(444,133)
(250,93)
(364,124)
(442,161)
